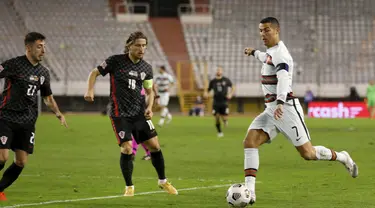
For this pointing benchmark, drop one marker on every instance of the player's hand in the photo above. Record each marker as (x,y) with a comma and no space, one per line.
(248,51)
(229,97)
(89,96)
(278,112)
(61,117)
(148,113)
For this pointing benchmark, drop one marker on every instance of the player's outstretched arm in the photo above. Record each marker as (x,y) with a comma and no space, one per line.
(261,56)
(89,95)
(148,85)
(51,103)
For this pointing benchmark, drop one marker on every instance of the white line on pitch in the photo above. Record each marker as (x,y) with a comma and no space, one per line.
(140,178)
(109,197)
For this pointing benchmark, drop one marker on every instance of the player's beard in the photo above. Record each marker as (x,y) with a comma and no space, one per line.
(137,55)
(140,55)
(38,58)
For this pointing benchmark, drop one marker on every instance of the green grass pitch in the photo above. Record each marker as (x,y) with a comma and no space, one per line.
(70,167)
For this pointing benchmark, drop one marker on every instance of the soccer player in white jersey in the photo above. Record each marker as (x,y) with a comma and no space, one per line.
(163,82)
(283,111)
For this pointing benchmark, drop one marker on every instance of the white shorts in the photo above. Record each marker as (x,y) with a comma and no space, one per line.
(164,99)
(292,123)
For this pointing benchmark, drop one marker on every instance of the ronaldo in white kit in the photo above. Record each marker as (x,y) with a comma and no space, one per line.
(283,111)
(163,82)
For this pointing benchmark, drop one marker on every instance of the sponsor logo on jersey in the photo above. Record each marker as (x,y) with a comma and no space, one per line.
(133,73)
(3,140)
(337,110)
(34,78)
(269,60)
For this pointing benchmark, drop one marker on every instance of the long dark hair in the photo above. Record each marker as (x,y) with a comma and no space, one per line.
(132,37)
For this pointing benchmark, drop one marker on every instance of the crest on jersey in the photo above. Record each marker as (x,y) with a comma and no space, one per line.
(3,140)
(103,65)
(1,68)
(269,60)
(143,76)
(122,134)
(224,83)
(42,80)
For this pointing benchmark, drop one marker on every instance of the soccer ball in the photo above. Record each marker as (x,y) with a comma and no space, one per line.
(238,196)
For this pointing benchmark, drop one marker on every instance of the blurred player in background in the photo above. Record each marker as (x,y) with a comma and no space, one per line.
(370,98)
(283,111)
(198,108)
(24,77)
(128,74)
(163,82)
(223,92)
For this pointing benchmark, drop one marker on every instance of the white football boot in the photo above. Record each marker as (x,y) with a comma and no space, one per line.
(252,197)
(350,165)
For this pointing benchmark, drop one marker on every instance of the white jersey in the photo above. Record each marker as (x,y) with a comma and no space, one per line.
(274,60)
(163,81)
(277,74)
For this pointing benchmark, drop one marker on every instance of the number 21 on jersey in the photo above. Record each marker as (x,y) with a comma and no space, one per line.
(31,90)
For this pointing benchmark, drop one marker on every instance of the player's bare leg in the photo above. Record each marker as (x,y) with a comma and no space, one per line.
(254,139)
(218,125)
(4,155)
(147,155)
(163,114)
(225,120)
(169,116)
(126,164)
(13,171)
(372,112)
(157,160)
(309,152)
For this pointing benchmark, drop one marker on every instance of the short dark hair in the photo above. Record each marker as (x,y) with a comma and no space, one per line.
(162,67)
(271,20)
(31,37)
(132,37)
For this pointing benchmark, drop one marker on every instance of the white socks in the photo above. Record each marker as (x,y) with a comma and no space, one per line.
(164,113)
(251,166)
(163,181)
(323,153)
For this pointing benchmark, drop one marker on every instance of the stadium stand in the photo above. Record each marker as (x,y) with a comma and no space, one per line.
(331,41)
(12,32)
(81,34)
(328,39)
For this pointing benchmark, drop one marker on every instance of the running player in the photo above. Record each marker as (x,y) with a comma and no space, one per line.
(283,111)
(128,73)
(24,77)
(163,82)
(223,92)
